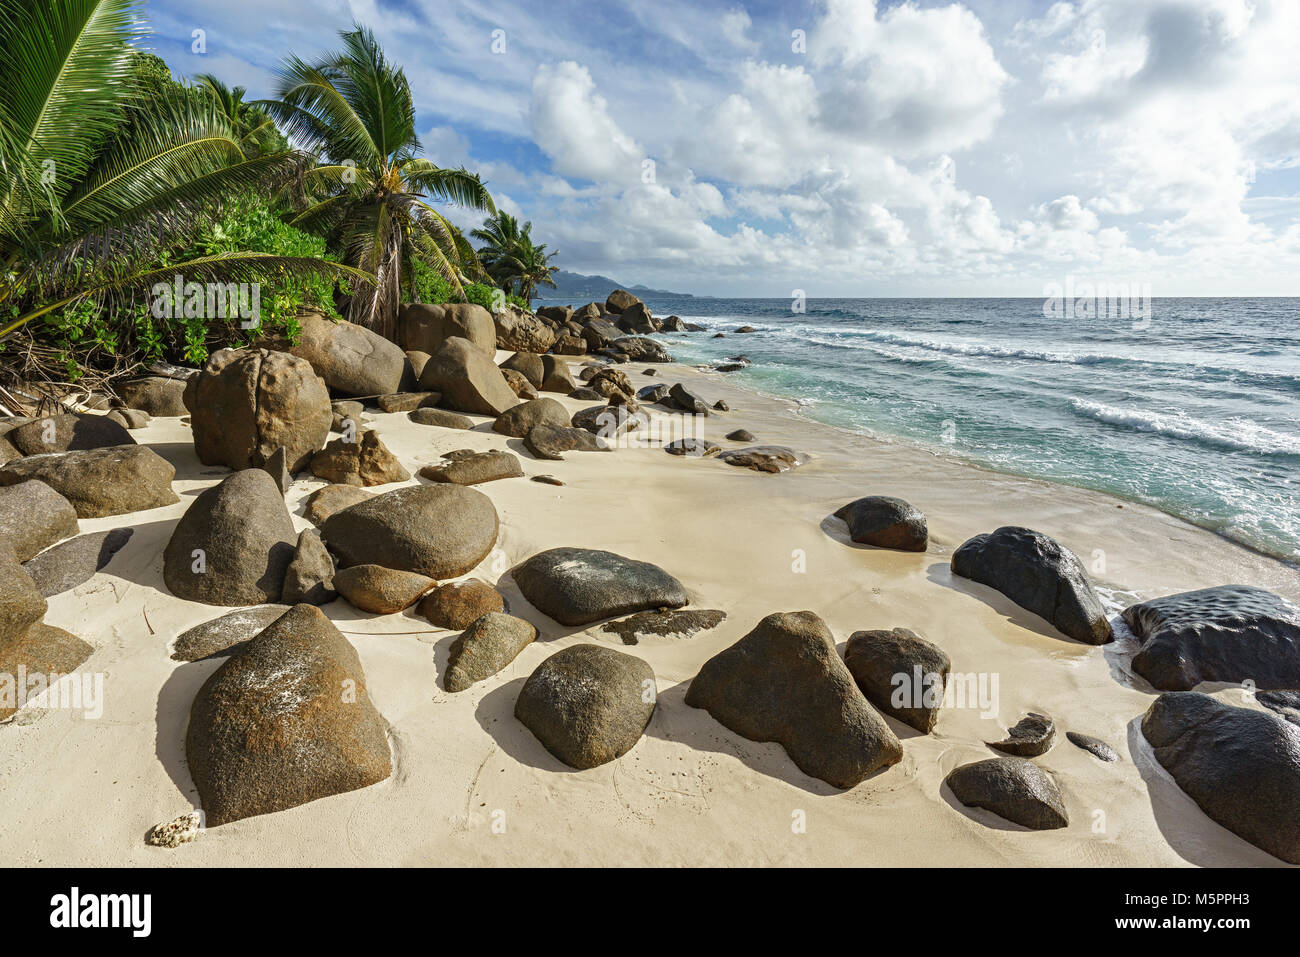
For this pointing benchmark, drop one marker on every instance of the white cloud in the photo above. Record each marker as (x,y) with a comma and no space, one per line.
(572,125)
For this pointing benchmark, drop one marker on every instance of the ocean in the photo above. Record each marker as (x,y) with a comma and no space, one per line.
(1193,407)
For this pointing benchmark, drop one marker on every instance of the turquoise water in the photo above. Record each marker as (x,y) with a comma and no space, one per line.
(1195,410)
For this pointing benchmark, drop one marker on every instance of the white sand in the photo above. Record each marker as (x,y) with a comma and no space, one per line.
(84,792)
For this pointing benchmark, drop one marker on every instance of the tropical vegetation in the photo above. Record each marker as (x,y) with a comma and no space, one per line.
(511,257)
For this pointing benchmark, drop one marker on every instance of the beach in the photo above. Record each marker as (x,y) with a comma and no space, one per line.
(472,786)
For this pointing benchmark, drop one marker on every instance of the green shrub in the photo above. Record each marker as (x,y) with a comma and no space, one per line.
(432,288)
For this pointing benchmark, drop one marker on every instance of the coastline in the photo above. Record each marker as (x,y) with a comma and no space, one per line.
(690,792)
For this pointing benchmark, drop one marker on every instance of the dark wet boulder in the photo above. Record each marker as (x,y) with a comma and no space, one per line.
(1229,633)
(456,605)
(900,673)
(1284,703)
(33,517)
(764,458)
(41,650)
(310,576)
(785,682)
(695,448)
(467,379)
(687,400)
(247,403)
(1241,766)
(673,324)
(68,432)
(885,522)
(607,421)
(1032,735)
(475,468)
(441,531)
(441,418)
(683,623)
(487,645)
(233,544)
(588,704)
(584,394)
(155,395)
(652,393)
(74,562)
(363,462)
(380,590)
(577,586)
(600,333)
(101,482)
(1015,789)
(352,359)
(741,435)
(324,502)
(636,318)
(520,419)
(1094,746)
(1038,573)
(285,720)
(219,637)
(549,441)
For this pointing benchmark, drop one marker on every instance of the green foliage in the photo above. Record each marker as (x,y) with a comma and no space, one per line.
(511,257)
(431,287)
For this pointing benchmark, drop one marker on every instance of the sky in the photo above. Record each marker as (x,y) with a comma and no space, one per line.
(842,147)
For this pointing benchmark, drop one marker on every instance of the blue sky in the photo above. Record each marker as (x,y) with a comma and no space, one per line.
(843,147)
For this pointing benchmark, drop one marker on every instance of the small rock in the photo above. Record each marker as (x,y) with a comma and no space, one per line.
(1034,734)
(364,462)
(380,590)
(310,576)
(174,833)
(475,469)
(696,448)
(456,605)
(1012,788)
(441,418)
(764,458)
(741,435)
(885,522)
(1092,745)
(547,480)
(324,502)
(487,645)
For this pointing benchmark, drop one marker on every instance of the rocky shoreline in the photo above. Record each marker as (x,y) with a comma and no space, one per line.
(283,576)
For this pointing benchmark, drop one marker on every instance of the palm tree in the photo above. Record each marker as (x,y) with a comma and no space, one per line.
(511,257)
(256,129)
(367,193)
(87,216)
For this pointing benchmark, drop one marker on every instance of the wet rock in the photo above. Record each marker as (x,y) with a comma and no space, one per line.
(764,458)
(696,448)
(1230,633)
(687,401)
(1240,766)
(33,517)
(1038,574)
(380,590)
(577,586)
(487,645)
(900,673)
(476,468)
(310,576)
(101,482)
(546,480)
(741,435)
(784,682)
(74,562)
(467,379)
(458,604)
(233,544)
(68,432)
(885,522)
(270,729)
(1034,734)
(1284,703)
(324,502)
(653,393)
(664,624)
(1094,746)
(441,418)
(1012,788)
(441,531)
(588,704)
(222,636)
(364,462)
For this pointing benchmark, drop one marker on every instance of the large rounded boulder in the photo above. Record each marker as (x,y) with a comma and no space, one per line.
(233,545)
(785,682)
(285,720)
(424,328)
(441,531)
(467,379)
(33,517)
(1040,574)
(247,404)
(67,432)
(101,482)
(350,358)
(588,704)
(577,586)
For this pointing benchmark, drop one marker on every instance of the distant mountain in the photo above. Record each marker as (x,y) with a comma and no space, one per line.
(575,288)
